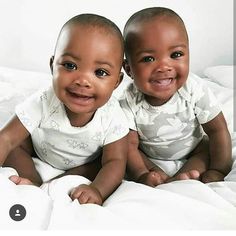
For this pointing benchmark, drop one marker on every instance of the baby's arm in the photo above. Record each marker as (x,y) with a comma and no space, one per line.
(108,178)
(220,149)
(135,162)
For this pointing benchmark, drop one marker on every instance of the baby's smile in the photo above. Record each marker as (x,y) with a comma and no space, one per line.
(163,82)
(80,98)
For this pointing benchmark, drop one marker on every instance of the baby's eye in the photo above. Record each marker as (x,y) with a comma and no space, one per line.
(148,59)
(101,73)
(70,66)
(176,55)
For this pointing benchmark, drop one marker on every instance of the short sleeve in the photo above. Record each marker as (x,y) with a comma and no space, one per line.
(128,113)
(30,111)
(118,125)
(206,106)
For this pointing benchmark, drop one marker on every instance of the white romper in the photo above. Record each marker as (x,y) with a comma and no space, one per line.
(171,131)
(57,142)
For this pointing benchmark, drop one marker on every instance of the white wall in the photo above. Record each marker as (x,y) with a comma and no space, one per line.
(29,28)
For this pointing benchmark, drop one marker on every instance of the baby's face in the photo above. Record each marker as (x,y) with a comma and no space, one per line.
(86,68)
(159,59)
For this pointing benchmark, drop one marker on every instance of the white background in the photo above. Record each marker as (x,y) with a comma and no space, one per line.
(29,28)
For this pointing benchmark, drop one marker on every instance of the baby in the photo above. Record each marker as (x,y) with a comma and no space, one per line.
(168,109)
(75,121)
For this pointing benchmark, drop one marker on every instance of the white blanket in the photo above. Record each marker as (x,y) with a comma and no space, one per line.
(181,205)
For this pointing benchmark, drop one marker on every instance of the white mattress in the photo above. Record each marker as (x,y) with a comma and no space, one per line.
(185,205)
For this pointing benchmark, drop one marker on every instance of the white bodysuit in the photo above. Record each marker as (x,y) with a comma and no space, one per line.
(57,142)
(171,131)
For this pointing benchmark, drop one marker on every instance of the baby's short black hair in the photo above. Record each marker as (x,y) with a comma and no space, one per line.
(97,21)
(148,14)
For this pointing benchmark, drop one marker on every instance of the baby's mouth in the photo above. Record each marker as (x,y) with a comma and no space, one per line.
(80,96)
(162,82)
(78,93)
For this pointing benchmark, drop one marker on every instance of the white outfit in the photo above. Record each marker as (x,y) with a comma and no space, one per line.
(171,131)
(57,142)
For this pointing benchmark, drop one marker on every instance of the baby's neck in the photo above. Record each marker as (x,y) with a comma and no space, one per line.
(155,101)
(79,120)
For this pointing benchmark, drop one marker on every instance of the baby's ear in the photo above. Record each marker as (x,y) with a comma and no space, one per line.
(121,76)
(126,67)
(51,63)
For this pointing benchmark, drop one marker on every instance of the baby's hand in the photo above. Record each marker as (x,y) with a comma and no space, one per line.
(86,194)
(212,176)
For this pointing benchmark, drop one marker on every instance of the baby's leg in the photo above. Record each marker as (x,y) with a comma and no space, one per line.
(196,164)
(88,170)
(21,160)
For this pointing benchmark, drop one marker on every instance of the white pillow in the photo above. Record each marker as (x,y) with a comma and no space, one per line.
(222,75)
(15,86)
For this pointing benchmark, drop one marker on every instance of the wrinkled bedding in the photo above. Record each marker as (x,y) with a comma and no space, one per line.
(185,205)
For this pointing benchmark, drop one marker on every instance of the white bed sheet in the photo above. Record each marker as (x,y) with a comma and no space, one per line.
(184,205)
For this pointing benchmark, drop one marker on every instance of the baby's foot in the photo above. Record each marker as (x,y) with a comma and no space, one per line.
(153,178)
(192,174)
(20,180)
(212,176)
